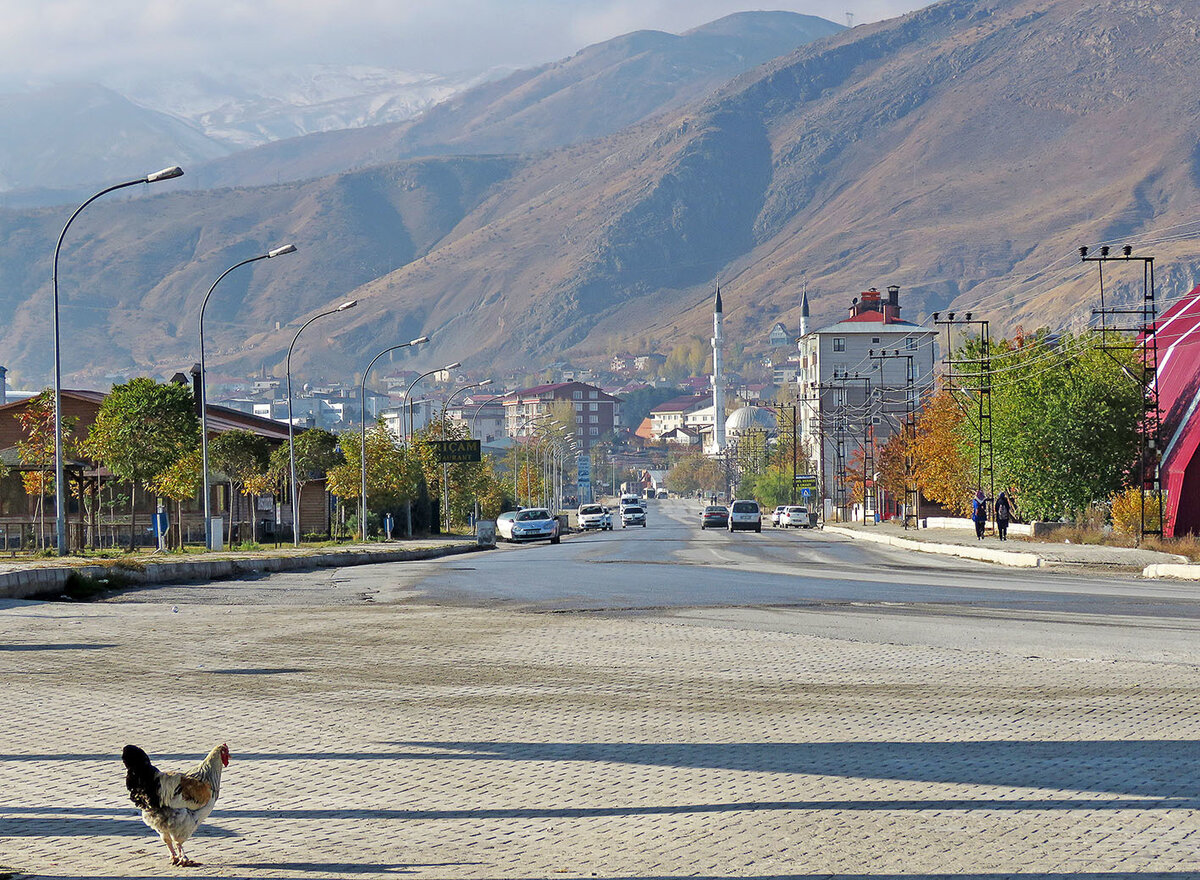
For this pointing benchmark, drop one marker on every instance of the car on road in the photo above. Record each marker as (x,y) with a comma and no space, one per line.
(714,516)
(777,513)
(595,516)
(633,516)
(528,524)
(744,516)
(795,517)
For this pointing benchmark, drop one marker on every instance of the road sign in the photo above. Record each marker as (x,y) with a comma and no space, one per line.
(806,493)
(807,481)
(446,451)
(583,480)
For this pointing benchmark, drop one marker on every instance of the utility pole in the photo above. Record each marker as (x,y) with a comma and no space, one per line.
(1116,325)
(967,376)
(911,493)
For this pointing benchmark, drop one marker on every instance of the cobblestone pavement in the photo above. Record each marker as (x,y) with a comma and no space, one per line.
(404,740)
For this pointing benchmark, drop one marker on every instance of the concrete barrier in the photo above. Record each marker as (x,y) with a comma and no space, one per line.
(28,583)
(1172,570)
(983,554)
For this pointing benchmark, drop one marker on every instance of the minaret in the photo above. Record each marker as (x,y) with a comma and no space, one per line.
(804,312)
(718,378)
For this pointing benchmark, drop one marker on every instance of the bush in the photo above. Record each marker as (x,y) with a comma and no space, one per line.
(1127,512)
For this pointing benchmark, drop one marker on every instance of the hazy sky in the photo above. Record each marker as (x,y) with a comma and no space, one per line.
(43,40)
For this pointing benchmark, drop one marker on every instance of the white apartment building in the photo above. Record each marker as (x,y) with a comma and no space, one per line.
(848,393)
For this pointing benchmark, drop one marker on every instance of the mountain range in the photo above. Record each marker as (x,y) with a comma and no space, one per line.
(961,152)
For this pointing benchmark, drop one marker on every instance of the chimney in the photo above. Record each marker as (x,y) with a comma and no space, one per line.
(3,385)
(891,309)
(196,395)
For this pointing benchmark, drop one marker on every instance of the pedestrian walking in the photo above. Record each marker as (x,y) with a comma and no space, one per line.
(1003,515)
(979,513)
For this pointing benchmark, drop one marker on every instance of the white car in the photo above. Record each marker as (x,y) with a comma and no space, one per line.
(595,516)
(528,524)
(745,515)
(777,513)
(633,516)
(795,517)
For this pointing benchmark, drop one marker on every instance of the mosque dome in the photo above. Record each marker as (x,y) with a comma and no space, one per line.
(749,418)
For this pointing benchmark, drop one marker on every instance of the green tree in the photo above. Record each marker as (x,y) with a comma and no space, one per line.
(142,428)
(36,450)
(241,456)
(317,452)
(179,483)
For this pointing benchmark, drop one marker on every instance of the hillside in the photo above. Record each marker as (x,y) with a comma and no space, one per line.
(599,90)
(961,152)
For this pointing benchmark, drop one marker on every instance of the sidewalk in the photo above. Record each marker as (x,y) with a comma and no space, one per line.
(22,578)
(1020,552)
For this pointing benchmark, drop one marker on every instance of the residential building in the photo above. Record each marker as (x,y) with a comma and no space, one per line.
(596,413)
(848,393)
(779,336)
(671,414)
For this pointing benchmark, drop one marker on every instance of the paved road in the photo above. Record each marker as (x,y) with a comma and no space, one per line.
(733,718)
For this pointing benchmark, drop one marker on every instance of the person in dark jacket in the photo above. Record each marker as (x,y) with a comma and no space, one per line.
(1003,515)
(979,513)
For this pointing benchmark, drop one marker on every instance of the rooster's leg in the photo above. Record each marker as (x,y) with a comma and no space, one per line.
(171,847)
(184,861)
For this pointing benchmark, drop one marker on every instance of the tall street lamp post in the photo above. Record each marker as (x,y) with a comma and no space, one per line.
(405,433)
(292,422)
(362,506)
(445,467)
(60,512)
(277,252)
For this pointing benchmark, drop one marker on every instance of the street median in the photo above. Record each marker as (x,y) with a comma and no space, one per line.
(983,554)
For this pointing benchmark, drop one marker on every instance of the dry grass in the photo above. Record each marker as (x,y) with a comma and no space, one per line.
(1188,545)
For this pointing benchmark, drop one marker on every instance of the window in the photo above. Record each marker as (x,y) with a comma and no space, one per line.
(577,394)
(594,419)
(910,342)
(579,430)
(839,343)
(593,407)
(594,431)
(579,420)
(579,407)
(874,340)
(593,394)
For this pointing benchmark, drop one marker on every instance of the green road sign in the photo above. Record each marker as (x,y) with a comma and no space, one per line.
(447,451)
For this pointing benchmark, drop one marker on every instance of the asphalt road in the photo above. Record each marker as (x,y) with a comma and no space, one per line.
(794,580)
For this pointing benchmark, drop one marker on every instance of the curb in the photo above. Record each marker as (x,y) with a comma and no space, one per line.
(33,582)
(1172,570)
(984,554)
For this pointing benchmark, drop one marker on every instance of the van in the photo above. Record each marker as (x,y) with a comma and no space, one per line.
(627,500)
(745,515)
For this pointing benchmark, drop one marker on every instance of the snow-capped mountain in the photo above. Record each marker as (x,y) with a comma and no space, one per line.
(248,108)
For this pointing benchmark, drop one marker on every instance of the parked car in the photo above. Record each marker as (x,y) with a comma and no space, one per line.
(714,516)
(776,514)
(595,516)
(796,518)
(528,524)
(745,515)
(633,516)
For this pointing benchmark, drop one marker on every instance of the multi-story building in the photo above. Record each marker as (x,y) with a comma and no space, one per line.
(596,413)
(671,414)
(857,379)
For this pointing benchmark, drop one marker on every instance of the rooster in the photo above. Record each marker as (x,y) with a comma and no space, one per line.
(174,804)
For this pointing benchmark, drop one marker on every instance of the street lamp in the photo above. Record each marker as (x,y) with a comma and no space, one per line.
(525,421)
(60,513)
(408,394)
(277,252)
(445,467)
(292,422)
(362,507)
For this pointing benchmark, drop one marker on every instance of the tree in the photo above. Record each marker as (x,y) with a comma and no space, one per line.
(241,456)
(178,483)
(142,428)
(940,453)
(37,450)
(317,452)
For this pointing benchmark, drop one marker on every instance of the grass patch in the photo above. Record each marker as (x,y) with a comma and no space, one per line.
(80,587)
(1187,545)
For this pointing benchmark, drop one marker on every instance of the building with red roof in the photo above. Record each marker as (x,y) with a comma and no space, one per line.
(1178,334)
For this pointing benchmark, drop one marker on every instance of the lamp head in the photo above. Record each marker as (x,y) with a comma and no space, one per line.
(347,305)
(165,174)
(280,251)
(453,366)
(485,382)
(419,340)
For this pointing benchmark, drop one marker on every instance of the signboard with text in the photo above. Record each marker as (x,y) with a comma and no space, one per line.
(449,451)
(584,478)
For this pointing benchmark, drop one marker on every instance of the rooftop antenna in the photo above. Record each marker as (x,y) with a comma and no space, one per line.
(849,19)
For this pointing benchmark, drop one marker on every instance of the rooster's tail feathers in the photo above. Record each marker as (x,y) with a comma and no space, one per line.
(141,778)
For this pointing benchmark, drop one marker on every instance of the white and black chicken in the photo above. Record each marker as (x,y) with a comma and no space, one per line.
(174,804)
